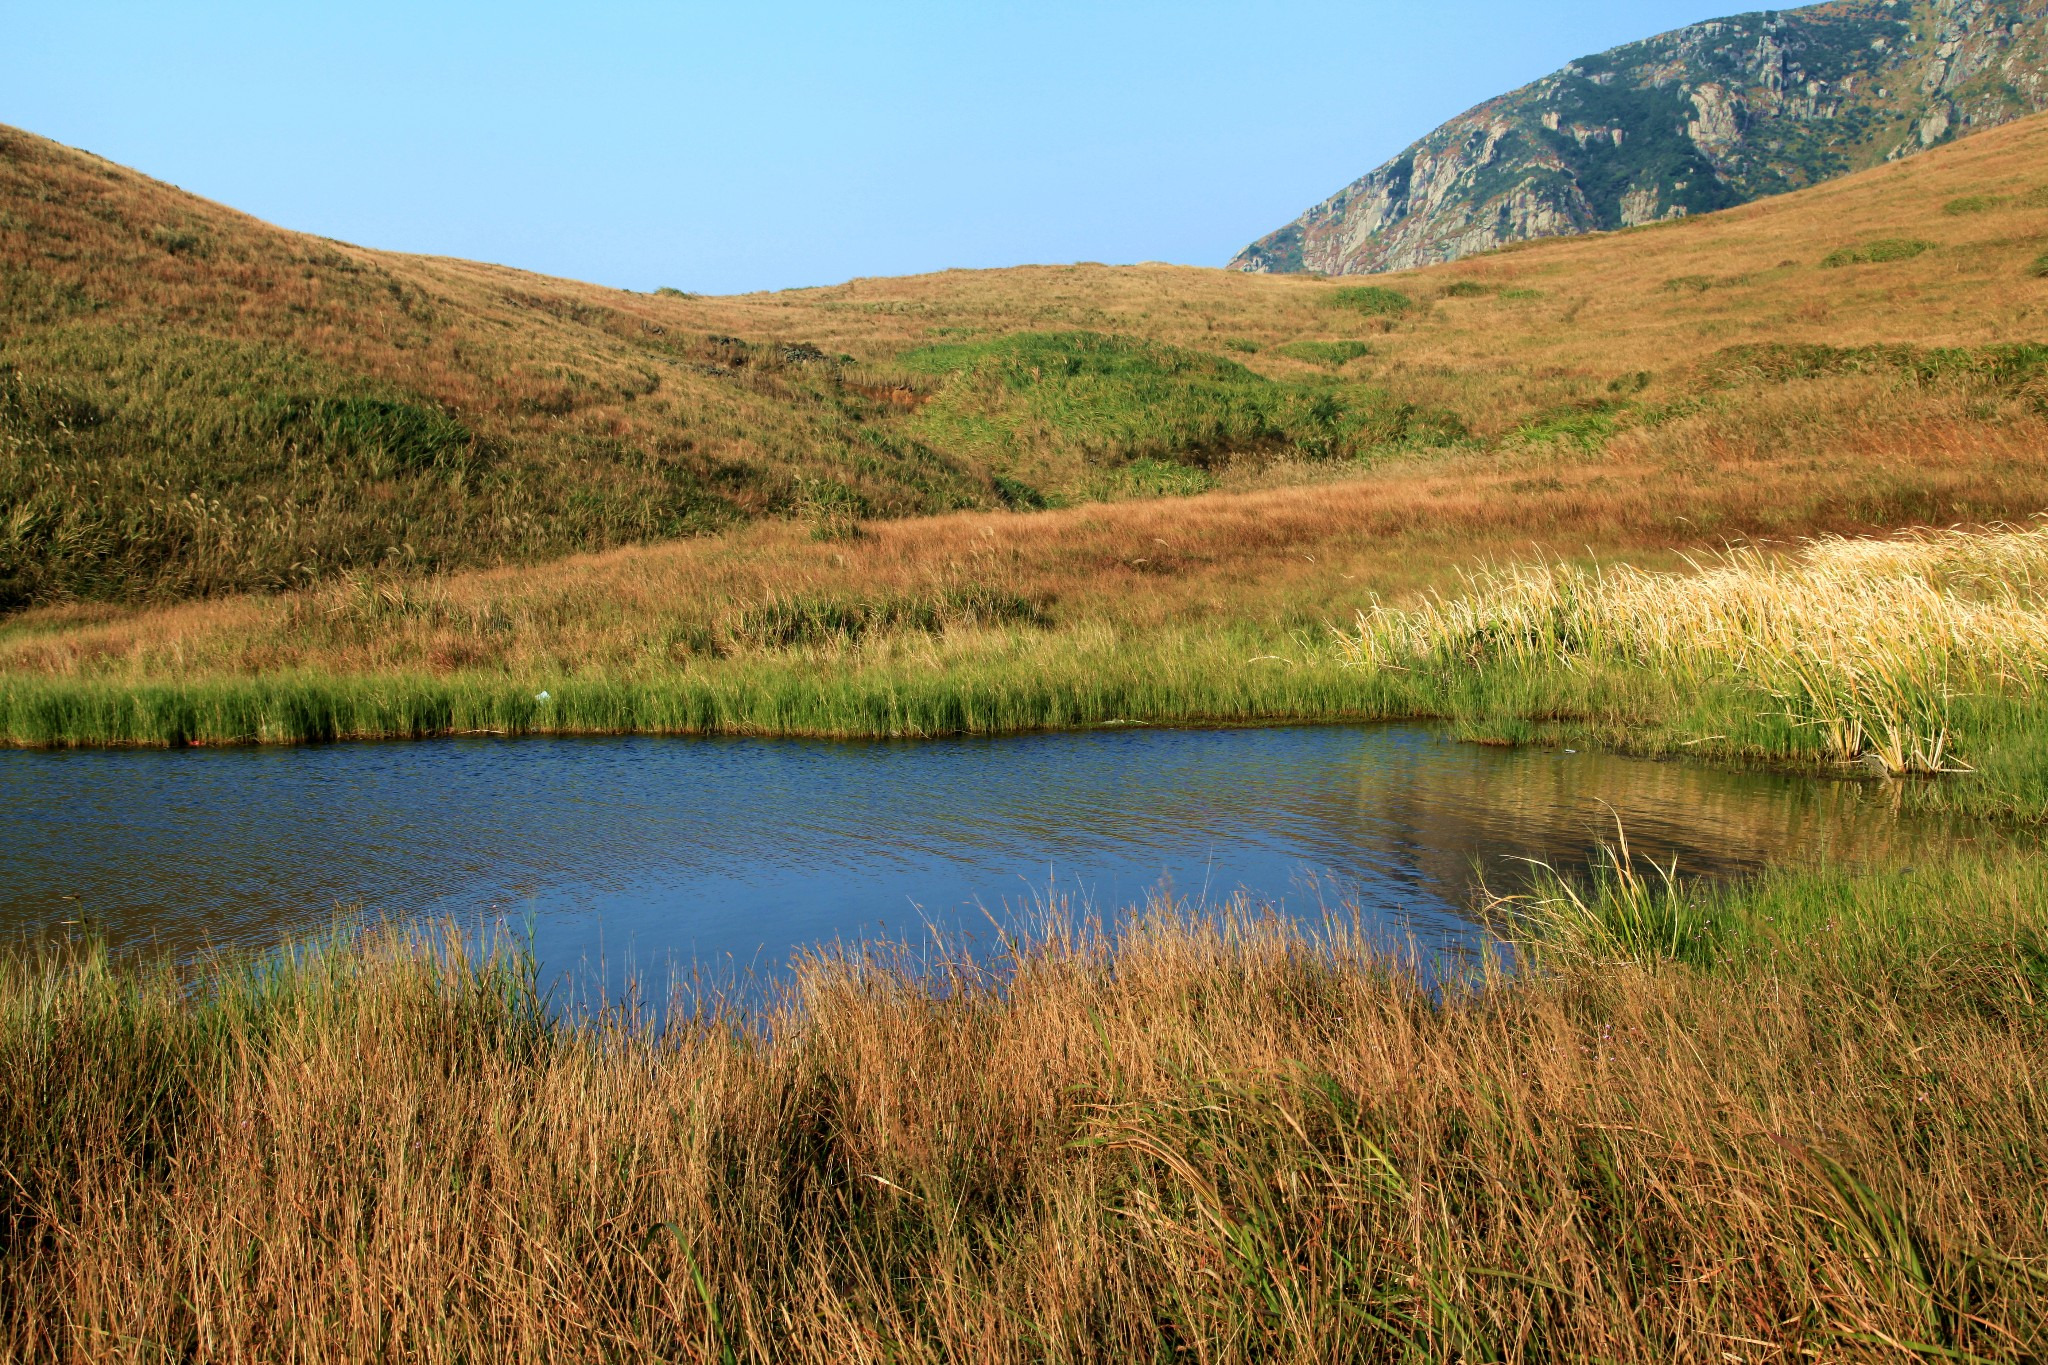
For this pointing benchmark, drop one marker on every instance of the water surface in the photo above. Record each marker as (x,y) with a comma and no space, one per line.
(653,850)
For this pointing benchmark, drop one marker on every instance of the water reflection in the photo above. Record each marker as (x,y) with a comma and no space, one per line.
(644,849)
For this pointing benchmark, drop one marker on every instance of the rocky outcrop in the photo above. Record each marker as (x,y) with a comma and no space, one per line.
(1697,119)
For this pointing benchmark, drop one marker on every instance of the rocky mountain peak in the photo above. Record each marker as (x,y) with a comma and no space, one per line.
(1702,118)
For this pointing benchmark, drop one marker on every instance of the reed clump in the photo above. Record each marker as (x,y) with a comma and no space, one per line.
(1195,1137)
(1869,643)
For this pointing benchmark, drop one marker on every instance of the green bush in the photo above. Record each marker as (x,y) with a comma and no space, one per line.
(1374,300)
(2038,268)
(1973,203)
(1878,252)
(1468,289)
(1241,345)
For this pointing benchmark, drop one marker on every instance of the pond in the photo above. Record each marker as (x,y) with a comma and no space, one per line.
(664,852)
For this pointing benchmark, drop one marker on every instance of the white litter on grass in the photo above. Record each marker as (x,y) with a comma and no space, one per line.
(540,696)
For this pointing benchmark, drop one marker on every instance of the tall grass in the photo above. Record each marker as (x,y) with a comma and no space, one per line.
(1206,1139)
(1869,643)
(1016,683)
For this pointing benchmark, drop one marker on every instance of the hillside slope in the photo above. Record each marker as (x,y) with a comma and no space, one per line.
(1857,357)
(1701,118)
(193,403)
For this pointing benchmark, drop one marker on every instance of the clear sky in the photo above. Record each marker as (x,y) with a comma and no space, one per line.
(756,145)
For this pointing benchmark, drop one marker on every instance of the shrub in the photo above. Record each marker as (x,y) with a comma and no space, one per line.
(2038,267)
(1469,289)
(1878,252)
(1242,345)
(1374,300)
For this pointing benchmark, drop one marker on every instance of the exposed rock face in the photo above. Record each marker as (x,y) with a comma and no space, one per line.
(1697,119)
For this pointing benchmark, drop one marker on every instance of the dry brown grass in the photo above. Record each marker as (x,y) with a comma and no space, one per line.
(1202,1142)
(1300,557)
(608,417)
(1606,308)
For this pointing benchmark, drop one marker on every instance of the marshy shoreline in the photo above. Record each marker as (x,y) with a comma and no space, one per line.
(1801,1113)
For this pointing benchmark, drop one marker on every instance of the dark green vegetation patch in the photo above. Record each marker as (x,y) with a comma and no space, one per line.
(1116,401)
(812,620)
(1373,300)
(1332,354)
(1986,203)
(1878,252)
(2010,365)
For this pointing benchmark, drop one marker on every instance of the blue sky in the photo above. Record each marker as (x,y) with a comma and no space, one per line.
(745,146)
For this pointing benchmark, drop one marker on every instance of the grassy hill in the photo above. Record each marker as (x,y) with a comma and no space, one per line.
(193,402)
(1855,358)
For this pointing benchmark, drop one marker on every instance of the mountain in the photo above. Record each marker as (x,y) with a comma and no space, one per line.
(1698,119)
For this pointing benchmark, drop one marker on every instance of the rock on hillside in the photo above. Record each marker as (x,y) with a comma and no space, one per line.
(1697,119)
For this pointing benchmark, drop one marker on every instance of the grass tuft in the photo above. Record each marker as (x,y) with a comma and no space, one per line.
(1877,252)
(1373,300)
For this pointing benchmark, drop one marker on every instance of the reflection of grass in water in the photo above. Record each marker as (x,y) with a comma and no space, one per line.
(1232,1134)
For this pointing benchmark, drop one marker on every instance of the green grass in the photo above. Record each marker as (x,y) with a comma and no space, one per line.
(1039,681)
(1373,300)
(2005,368)
(1034,398)
(309,471)
(1973,203)
(1878,252)
(1002,694)
(1333,355)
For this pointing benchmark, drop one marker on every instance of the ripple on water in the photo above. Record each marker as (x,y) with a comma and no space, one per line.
(657,849)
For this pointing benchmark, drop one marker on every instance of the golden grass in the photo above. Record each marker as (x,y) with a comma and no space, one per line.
(1868,641)
(1216,1141)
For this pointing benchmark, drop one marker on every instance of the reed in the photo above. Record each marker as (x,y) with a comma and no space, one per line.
(1211,1138)
(1869,643)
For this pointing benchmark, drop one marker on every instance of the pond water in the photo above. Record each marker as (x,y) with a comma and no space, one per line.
(661,852)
